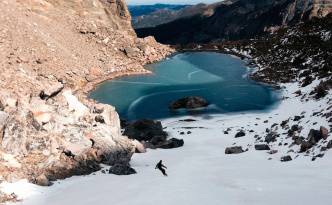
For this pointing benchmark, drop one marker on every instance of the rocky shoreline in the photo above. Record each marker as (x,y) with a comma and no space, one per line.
(300,48)
(52,55)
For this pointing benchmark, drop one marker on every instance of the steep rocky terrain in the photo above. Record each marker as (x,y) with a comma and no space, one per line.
(166,15)
(237,20)
(141,10)
(297,59)
(52,52)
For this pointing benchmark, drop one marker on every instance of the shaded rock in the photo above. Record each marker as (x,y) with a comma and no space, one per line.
(188,120)
(100,119)
(297,118)
(42,180)
(298,140)
(286,158)
(144,130)
(189,103)
(122,169)
(271,137)
(314,136)
(240,134)
(262,147)
(172,143)
(234,150)
(284,123)
(2,107)
(305,146)
(158,140)
(3,121)
(123,123)
(295,128)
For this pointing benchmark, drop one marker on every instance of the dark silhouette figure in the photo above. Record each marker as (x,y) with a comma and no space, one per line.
(161,167)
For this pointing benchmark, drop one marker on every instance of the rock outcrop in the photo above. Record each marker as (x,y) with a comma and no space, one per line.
(52,53)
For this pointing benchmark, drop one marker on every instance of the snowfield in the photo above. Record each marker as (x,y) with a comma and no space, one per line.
(201,173)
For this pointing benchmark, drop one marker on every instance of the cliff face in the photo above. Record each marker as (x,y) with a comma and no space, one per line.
(239,19)
(51,52)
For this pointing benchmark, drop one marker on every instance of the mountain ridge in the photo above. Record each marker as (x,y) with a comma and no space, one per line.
(239,19)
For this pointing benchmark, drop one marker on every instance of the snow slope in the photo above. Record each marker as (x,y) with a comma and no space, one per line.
(201,173)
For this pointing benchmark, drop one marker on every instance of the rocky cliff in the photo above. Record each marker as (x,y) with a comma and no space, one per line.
(239,19)
(51,53)
(166,15)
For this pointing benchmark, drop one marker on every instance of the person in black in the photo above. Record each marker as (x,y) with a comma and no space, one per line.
(161,167)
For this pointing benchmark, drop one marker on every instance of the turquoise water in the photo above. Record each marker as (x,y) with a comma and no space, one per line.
(219,78)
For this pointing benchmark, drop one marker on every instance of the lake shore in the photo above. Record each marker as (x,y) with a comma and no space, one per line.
(252,177)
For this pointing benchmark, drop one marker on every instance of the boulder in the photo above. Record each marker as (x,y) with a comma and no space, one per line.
(192,102)
(74,104)
(172,143)
(271,137)
(100,119)
(122,169)
(240,134)
(305,146)
(131,52)
(286,158)
(158,140)
(144,130)
(314,136)
(262,147)
(42,180)
(51,90)
(139,147)
(234,150)
(112,119)
(295,128)
(324,132)
(297,118)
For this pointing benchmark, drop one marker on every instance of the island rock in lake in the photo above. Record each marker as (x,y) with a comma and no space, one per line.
(189,103)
